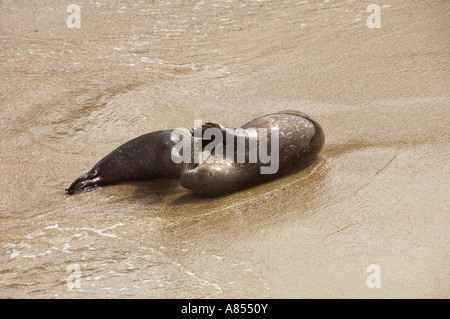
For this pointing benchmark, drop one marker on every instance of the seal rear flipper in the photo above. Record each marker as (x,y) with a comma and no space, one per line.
(84,183)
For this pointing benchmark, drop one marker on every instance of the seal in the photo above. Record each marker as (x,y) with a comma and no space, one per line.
(300,141)
(145,157)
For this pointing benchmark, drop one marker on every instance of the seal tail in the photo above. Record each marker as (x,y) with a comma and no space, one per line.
(84,183)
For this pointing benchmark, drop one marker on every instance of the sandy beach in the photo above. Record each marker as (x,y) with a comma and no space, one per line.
(377,195)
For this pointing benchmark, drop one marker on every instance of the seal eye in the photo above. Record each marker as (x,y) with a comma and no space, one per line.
(210,174)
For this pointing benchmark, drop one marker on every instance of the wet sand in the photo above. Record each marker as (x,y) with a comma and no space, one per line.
(377,195)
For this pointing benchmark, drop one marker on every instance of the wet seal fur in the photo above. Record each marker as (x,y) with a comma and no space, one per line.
(300,141)
(144,157)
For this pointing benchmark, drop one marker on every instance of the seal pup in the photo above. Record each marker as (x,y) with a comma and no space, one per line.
(144,157)
(300,141)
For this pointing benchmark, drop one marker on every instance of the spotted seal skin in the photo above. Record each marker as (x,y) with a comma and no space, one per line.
(300,141)
(145,157)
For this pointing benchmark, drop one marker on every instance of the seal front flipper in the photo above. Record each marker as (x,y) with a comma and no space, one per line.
(230,132)
(208,125)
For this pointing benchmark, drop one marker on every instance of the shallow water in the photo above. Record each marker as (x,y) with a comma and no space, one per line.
(377,195)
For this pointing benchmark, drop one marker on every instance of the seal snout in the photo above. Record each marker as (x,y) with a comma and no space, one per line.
(189,180)
(195,181)
(203,182)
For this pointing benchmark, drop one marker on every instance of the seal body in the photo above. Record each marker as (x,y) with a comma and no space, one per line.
(144,157)
(300,140)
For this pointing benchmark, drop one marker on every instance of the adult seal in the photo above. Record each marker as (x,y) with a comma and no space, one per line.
(300,139)
(145,157)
